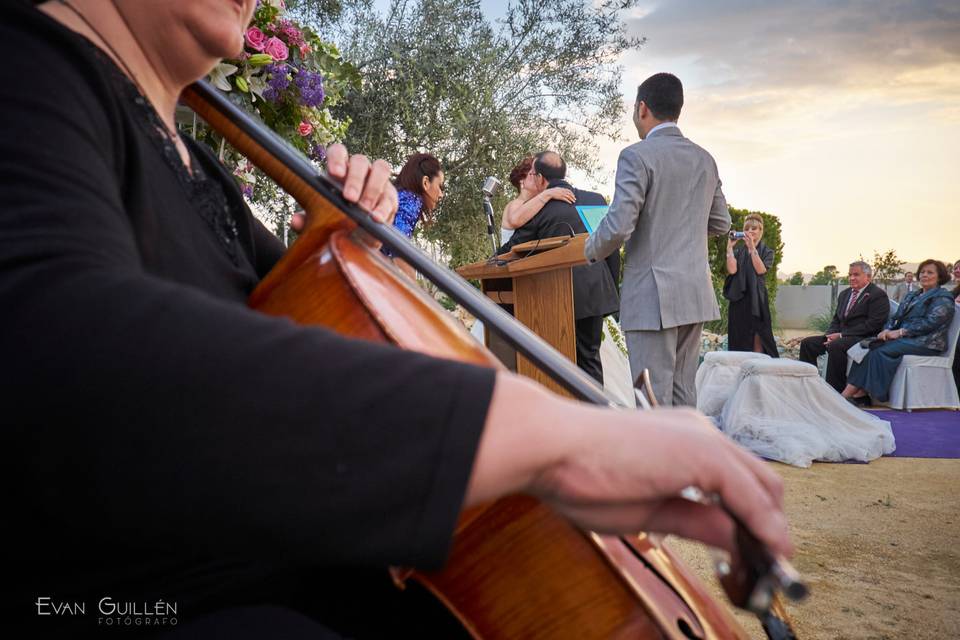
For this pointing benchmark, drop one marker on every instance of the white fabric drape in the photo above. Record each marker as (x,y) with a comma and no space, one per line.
(783,410)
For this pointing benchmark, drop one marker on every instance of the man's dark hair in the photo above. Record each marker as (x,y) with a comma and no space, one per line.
(550,165)
(663,95)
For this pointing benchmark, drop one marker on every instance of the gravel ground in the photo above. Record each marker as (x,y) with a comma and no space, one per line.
(879,545)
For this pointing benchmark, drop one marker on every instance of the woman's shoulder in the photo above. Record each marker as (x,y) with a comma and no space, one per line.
(513,204)
(43,43)
(941,296)
(409,201)
(53,62)
(927,300)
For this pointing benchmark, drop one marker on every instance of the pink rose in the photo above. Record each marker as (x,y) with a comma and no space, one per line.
(255,38)
(276,49)
(306,128)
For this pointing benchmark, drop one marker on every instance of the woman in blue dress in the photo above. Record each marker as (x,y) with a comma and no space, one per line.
(919,327)
(419,190)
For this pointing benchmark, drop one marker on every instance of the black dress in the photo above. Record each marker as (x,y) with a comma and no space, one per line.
(956,354)
(749,308)
(163,440)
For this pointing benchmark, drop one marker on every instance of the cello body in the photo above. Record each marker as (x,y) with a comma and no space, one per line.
(517,569)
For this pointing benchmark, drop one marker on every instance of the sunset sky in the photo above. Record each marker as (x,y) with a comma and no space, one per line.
(841,118)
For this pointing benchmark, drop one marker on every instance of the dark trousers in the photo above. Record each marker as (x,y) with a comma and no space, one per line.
(589,333)
(814,346)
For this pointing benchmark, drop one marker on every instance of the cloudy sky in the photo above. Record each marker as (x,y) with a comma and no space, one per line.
(841,118)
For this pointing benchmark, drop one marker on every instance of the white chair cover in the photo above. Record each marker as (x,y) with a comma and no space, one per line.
(717,378)
(783,410)
(926,382)
(617,380)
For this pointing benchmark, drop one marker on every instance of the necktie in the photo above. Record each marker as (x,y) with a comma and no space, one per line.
(853,301)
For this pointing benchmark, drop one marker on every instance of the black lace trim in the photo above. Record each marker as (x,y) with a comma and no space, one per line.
(206,195)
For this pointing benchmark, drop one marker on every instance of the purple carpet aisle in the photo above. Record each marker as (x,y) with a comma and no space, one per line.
(924,434)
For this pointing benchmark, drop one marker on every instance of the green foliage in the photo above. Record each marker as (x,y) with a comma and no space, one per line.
(439,77)
(821,321)
(718,263)
(796,279)
(827,275)
(887,267)
(316,12)
(613,328)
(447,302)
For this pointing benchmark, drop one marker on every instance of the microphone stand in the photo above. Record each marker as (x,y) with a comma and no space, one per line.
(488,208)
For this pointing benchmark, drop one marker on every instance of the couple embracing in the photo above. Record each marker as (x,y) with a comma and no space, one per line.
(667,201)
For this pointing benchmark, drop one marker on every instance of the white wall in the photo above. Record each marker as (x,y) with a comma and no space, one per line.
(796,304)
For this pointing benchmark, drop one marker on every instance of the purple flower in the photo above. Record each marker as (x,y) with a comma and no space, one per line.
(318,153)
(310,85)
(247,190)
(278,82)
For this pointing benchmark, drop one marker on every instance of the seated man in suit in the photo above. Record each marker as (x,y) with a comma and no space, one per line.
(595,293)
(861,311)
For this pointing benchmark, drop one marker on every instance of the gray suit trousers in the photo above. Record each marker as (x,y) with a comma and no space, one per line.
(672,356)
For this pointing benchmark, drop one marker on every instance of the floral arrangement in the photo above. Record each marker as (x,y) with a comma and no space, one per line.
(288,77)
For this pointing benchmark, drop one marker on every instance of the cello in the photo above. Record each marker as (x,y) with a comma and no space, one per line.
(517,569)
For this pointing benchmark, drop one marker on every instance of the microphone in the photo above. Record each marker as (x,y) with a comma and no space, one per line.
(490,187)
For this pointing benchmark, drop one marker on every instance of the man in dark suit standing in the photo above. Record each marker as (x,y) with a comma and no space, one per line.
(861,312)
(595,293)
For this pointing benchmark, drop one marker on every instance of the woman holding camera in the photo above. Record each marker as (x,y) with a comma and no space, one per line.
(748,320)
(918,327)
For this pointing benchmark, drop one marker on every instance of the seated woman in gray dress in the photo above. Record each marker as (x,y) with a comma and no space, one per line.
(918,327)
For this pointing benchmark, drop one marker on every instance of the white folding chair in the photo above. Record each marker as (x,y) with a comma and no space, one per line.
(926,382)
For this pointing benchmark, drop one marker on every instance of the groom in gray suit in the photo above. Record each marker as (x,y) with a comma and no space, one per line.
(667,201)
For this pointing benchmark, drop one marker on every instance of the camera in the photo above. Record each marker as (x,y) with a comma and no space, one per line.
(737,235)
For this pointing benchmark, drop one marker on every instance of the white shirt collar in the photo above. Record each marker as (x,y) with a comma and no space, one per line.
(662,125)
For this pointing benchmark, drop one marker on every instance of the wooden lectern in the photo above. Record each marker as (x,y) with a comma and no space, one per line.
(535,282)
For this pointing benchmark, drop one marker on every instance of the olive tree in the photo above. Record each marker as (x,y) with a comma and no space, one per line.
(439,76)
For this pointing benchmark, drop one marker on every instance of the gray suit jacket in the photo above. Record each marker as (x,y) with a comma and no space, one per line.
(667,200)
(900,292)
